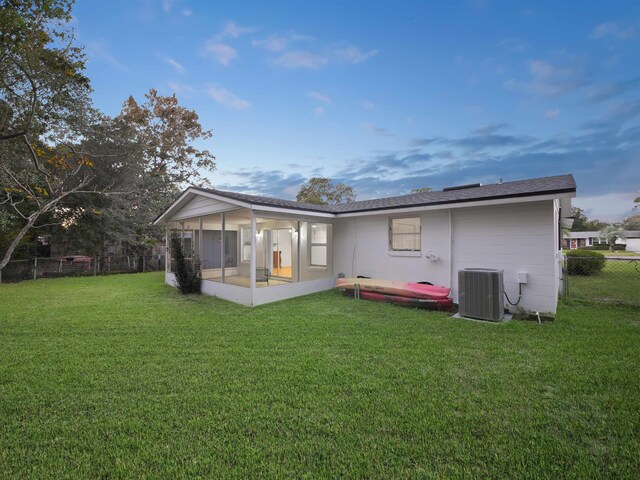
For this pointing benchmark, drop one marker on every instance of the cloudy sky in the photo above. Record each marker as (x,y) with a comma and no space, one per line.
(388,96)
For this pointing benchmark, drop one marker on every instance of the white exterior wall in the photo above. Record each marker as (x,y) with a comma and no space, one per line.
(514,238)
(362,248)
(517,237)
(633,244)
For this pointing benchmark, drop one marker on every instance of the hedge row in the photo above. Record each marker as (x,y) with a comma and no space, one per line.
(619,248)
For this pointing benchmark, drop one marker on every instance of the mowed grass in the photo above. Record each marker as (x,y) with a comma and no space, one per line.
(121,377)
(618,282)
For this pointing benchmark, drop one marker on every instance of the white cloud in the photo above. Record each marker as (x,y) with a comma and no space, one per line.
(321,97)
(612,29)
(300,59)
(167,5)
(273,43)
(355,55)
(319,111)
(222,52)
(610,207)
(552,113)
(187,12)
(180,88)
(227,98)
(549,80)
(234,31)
(381,132)
(176,66)
(99,50)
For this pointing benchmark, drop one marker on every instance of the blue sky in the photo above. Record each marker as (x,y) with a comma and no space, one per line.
(388,96)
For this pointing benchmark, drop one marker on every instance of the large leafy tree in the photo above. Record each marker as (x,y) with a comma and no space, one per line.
(581,223)
(54,146)
(45,112)
(632,222)
(157,137)
(324,191)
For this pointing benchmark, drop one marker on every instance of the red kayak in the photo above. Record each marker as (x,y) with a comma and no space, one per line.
(428,303)
(391,287)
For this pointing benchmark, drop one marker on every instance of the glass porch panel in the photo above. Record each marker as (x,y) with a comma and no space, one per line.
(186,231)
(277,254)
(221,252)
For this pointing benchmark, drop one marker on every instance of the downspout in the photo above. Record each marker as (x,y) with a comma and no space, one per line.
(223,258)
(298,258)
(200,238)
(355,243)
(167,250)
(450,251)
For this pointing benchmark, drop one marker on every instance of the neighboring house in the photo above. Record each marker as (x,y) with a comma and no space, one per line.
(576,240)
(511,226)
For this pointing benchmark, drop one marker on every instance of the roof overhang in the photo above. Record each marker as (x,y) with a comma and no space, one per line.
(460,204)
(191,192)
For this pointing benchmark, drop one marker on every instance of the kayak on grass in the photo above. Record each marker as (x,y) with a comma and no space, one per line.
(394,287)
(427,303)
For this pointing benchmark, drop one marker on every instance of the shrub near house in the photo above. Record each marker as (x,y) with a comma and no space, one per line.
(584,262)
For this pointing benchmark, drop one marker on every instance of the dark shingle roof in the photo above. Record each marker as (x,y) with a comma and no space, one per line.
(520,188)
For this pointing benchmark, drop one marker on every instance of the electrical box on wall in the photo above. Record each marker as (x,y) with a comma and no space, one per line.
(522,277)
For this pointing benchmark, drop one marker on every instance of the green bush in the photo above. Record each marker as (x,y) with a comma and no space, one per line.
(606,247)
(187,272)
(584,262)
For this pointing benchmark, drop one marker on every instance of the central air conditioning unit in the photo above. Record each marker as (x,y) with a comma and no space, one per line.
(481,294)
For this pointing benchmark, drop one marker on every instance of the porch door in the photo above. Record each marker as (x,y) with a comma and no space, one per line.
(279,252)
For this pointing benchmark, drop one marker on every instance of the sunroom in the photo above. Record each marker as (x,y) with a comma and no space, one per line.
(251,252)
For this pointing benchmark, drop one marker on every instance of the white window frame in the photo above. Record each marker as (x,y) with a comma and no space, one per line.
(391,235)
(318,244)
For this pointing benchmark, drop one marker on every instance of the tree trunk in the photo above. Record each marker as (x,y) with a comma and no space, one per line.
(31,220)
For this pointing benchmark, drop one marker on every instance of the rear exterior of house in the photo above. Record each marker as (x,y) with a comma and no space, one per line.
(512,226)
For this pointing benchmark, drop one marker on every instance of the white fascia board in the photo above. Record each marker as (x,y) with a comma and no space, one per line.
(222,198)
(178,203)
(446,206)
(292,211)
(189,194)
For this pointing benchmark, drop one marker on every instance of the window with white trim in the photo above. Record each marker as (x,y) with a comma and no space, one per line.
(318,245)
(404,234)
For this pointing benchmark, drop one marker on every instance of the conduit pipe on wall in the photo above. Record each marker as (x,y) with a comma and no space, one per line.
(450,250)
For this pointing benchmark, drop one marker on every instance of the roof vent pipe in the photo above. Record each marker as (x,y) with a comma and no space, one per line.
(462,187)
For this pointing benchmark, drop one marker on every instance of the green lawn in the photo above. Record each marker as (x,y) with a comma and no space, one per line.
(121,377)
(618,282)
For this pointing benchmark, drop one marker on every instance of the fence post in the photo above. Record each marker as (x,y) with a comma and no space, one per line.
(565,275)
(95,266)
(35,268)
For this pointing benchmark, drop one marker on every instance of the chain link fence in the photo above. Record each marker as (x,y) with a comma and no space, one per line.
(78,265)
(608,280)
